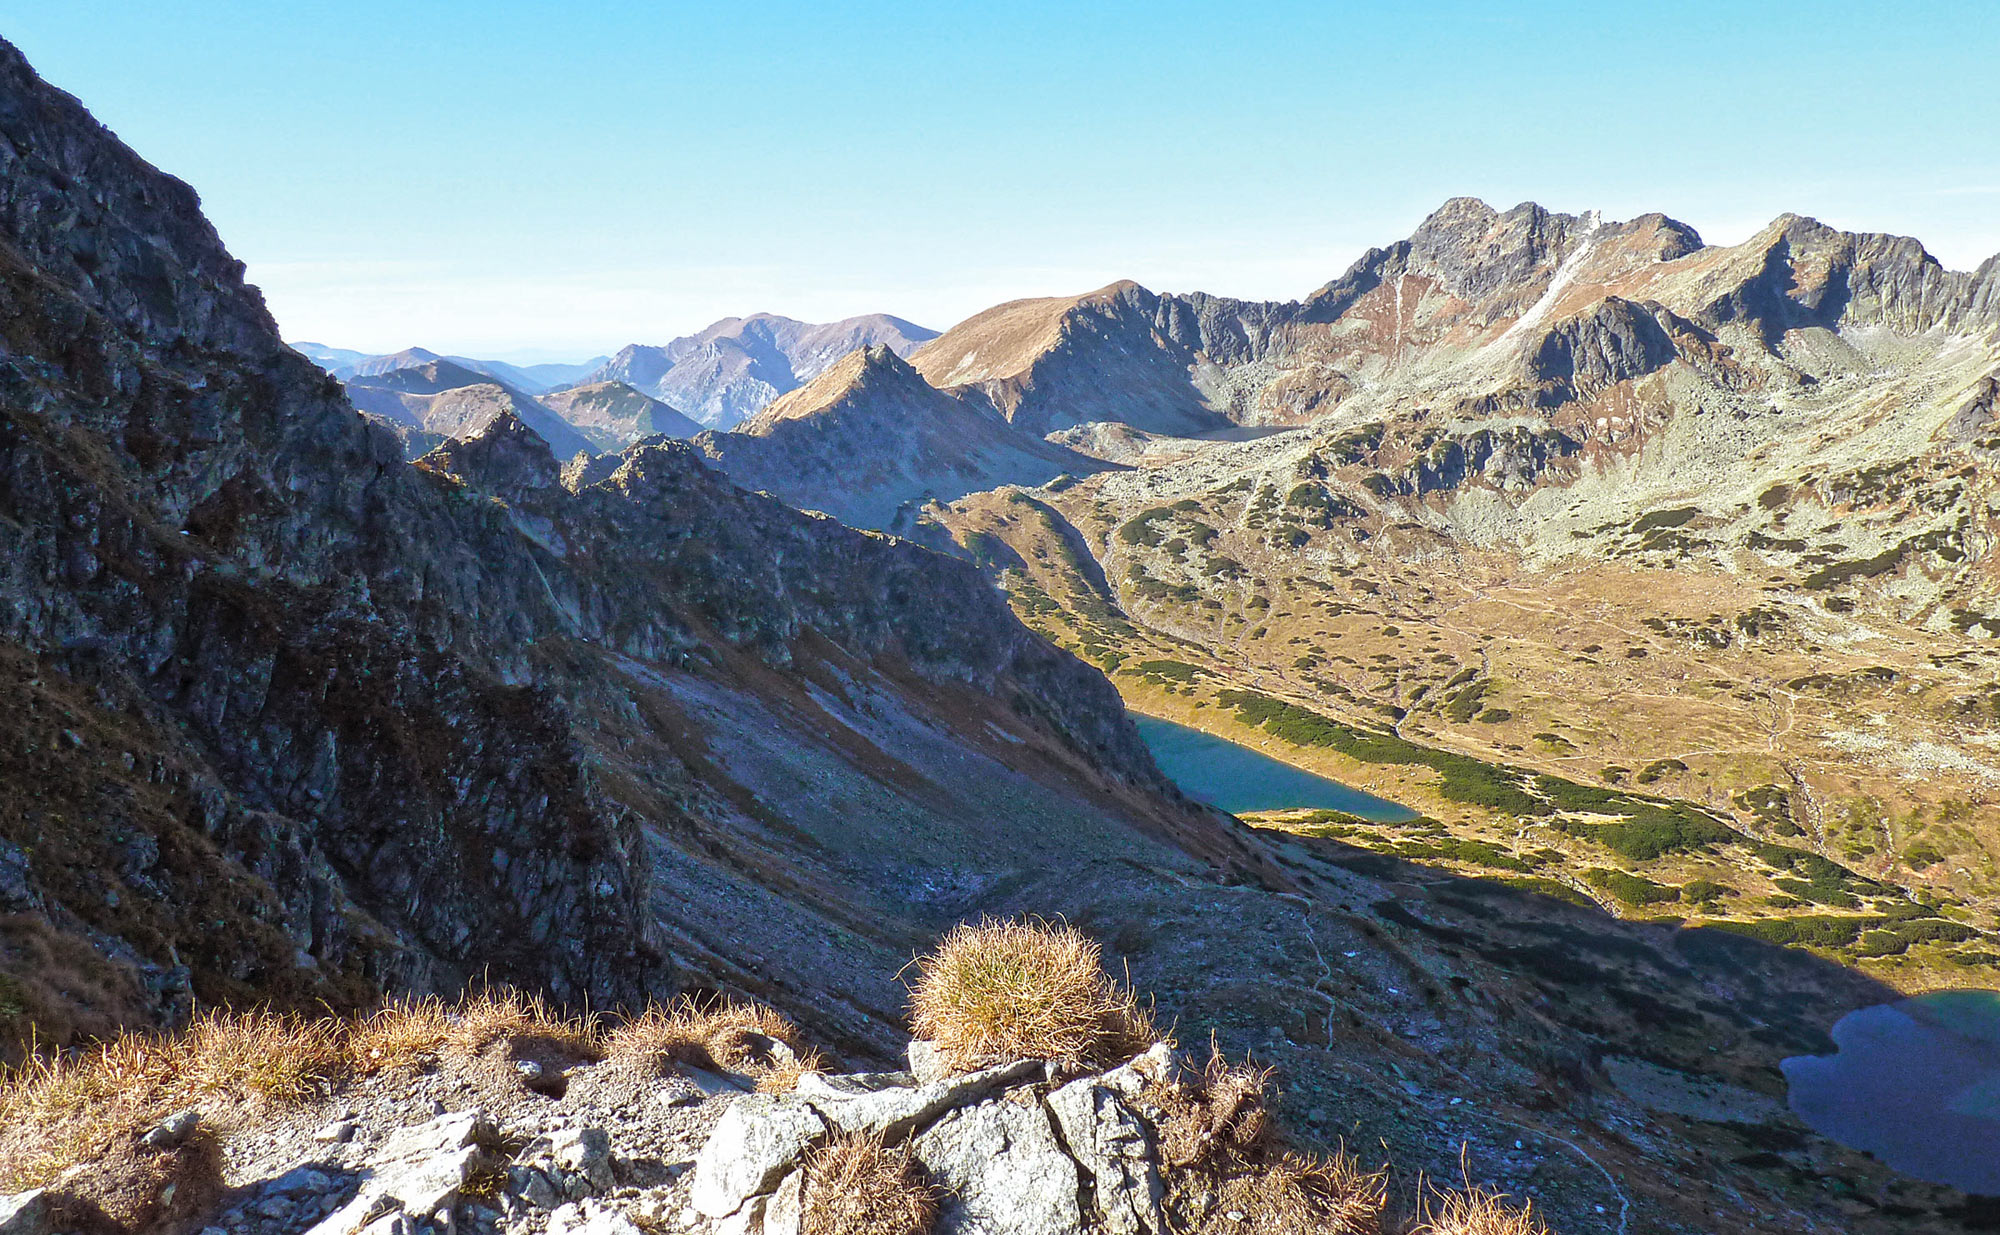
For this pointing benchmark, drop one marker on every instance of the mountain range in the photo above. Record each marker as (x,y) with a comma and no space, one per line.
(733,369)
(533,379)
(1655,575)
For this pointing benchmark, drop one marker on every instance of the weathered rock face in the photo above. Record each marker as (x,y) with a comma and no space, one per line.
(1011,1152)
(1615,341)
(384,725)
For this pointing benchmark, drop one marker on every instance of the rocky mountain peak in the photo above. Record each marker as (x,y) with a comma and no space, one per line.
(78,205)
(504,459)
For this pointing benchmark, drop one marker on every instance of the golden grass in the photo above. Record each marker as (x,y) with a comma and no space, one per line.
(783,1076)
(498,1014)
(277,1058)
(412,1032)
(56,1111)
(61,1109)
(1028,989)
(1476,1211)
(401,1034)
(855,1185)
(1296,1194)
(1219,1141)
(727,1036)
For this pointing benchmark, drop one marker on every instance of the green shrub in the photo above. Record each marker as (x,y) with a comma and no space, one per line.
(1703,891)
(1629,889)
(1659,768)
(1654,831)
(1819,932)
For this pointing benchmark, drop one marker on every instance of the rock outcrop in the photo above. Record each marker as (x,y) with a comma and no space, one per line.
(1015,1150)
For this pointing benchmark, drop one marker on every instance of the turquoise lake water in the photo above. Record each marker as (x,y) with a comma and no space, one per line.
(1238,779)
(1915,1083)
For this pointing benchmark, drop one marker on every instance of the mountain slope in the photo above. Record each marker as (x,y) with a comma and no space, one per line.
(1120,353)
(1600,502)
(731,370)
(618,412)
(307,723)
(446,399)
(295,721)
(869,441)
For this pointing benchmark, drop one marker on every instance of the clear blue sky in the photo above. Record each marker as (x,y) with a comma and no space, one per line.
(511,178)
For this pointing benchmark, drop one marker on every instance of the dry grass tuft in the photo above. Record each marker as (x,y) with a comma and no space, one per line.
(1224,1155)
(413,1032)
(1476,1211)
(1296,1194)
(1001,991)
(1218,1120)
(783,1076)
(277,1058)
(404,1033)
(499,1014)
(58,1111)
(729,1036)
(855,1185)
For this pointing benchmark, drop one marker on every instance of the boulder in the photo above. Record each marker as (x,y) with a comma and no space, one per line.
(1003,1172)
(1111,1146)
(890,1105)
(418,1172)
(927,1062)
(785,1212)
(759,1138)
(585,1152)
(25,1213)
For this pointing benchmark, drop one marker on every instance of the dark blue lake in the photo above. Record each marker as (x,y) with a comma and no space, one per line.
(1915,1083)
(1238,779)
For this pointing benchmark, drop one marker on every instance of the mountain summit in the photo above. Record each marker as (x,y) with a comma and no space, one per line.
(870,442)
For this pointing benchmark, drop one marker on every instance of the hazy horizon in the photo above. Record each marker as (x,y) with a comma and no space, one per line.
(514,182)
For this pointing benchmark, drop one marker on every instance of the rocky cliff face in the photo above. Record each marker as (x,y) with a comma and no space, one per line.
(312,722)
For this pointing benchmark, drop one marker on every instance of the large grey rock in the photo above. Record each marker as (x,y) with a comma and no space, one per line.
(927,1062)
(785,1212)
(591,1218)
(1111,1145)
(419,1171)
(1158,1065)
(891,1106)
(25,1213)
(758,1139)
(1003,1172)
(585,1152)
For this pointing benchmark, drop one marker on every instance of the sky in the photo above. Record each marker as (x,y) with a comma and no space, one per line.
(538,181)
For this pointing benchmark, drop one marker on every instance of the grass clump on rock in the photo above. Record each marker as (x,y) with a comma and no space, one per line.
(856,1185)
(1029,989)
(1228,1168)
